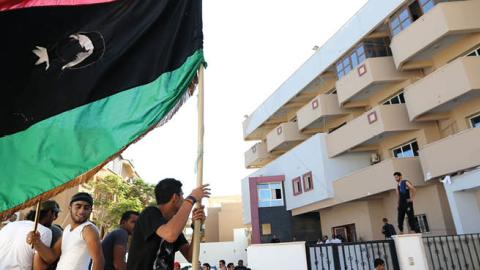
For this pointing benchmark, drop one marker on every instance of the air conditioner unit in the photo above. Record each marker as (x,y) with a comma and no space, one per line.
(374,158)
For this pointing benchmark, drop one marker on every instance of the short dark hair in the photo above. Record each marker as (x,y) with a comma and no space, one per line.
(127,214)
(378,262)
(230,264)
(31,215)
(385,219)
(207,265)
(397,174)
(165,189)
(222,261)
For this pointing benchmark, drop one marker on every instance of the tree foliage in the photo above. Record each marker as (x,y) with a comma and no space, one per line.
(114,196)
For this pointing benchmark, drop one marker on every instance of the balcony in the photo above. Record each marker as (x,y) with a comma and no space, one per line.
(443,25)
(313,115)
(257,156)
(364,132)
(377,178)
(368,78)
(284,137)
(452,154)
(445,88)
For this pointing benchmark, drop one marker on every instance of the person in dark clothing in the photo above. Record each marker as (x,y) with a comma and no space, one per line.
(240,266)
(388,230)
(406,194)
(379,264)
(115,243)
(158,232)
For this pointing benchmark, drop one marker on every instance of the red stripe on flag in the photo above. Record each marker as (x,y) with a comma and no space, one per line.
(18,4)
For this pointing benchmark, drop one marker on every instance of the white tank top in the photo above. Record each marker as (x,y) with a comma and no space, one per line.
(75,254)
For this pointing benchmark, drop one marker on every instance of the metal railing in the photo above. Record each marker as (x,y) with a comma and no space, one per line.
(453,252)
(351,256)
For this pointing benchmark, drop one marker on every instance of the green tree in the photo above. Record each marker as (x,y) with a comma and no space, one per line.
(113,196)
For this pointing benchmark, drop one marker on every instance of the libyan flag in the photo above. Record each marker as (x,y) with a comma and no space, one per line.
(83,79)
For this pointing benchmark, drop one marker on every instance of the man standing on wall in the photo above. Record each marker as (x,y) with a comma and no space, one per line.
(406,194)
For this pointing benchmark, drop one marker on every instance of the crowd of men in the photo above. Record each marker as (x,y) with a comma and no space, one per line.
(156,235)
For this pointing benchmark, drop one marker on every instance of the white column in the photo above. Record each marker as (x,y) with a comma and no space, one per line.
(411,252)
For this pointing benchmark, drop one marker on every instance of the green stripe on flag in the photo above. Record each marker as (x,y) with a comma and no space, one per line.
(58,149)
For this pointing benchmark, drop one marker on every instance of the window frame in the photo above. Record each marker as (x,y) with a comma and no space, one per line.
(400,95)
(271,200)
(475,51)
(307,177)
(470,118)
(400,147)
(400,25)
(423,226)
(296,181)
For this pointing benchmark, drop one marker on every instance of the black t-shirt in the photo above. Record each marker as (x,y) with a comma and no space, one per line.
(389,230)
(118,237)
(149,251)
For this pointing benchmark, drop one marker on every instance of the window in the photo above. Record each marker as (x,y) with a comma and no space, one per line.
(266,229)
(270,195)
(307,181)
(397,99)
(407,150)
(422,223)
(297,186)
(426,5)
(371,48)
(400,21)
(475,121)
(475,52)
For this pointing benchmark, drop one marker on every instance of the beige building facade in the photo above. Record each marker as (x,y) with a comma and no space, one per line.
(224,215)
(405,90)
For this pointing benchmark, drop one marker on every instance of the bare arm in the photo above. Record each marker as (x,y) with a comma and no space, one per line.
(94,247)
(47,254)
(119,252)
(38,263)
(174,227)
(413,190)
(187,249)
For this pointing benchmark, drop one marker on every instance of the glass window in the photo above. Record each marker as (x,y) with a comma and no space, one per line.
(426,5)
(475,121)
(308,181)
(269,194)
(400,21)
(407,150)
(475,52)
(422,223)
(297,186)
(397,99)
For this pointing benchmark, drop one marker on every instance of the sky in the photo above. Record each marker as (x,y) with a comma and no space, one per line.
(251,47)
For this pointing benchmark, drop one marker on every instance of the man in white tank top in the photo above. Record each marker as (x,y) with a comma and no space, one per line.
(80,242)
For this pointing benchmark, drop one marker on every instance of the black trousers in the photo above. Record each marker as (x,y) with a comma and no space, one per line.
(407,208)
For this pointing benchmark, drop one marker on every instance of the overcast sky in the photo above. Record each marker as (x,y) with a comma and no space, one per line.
(252,47)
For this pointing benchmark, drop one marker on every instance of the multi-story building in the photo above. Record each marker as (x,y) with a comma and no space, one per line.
(397,88)
(224,215)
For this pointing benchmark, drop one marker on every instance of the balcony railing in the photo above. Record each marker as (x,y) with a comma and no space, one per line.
(257,156)
(369,77)
(284,137)
(314,114)
(451,154)
(377,178)
(430,31)
(368,128)
(445,88)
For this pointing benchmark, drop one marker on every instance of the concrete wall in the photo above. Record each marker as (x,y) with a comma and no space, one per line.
(229,218)
(283,256)
(211,225)
(463,199)
(229,251)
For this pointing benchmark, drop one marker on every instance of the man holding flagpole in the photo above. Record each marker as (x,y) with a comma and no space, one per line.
(158,232)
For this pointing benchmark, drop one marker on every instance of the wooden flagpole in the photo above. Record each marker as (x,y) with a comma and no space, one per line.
(198,223)
(37,217)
